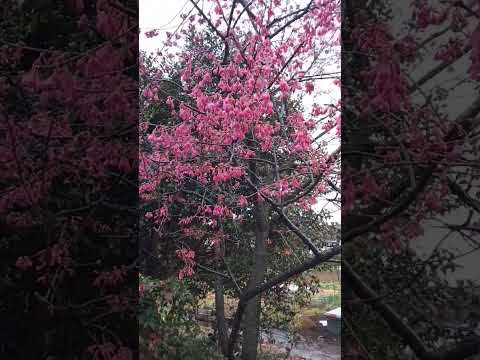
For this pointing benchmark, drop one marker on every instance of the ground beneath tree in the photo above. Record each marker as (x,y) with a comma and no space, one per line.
(315,344)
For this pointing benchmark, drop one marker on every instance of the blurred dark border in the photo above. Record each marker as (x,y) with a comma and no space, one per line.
(410,224)
(68,175)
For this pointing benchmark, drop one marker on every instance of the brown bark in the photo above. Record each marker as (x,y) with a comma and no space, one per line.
(220,322)
(251,329)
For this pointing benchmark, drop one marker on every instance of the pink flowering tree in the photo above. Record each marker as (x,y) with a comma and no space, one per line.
(235,149)
(408,166)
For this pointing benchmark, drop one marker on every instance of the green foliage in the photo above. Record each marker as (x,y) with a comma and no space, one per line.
(166,317)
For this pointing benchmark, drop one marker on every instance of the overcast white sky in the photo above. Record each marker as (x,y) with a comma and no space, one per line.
(159,14)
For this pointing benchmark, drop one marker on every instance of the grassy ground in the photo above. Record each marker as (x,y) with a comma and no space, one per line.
(328,298)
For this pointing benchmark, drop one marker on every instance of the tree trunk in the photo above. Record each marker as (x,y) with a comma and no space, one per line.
(251,328)
(221,326)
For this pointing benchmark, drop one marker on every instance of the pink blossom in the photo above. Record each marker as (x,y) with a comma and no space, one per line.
(151,33)
(284,88)
(370,187)
(24,263)
(242,201)
(302,141)
(309,87)
(124,165)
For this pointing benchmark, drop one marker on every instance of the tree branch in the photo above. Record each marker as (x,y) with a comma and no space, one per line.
(322,257)
(466,348)
(465,122)
(291,21)
(209,22)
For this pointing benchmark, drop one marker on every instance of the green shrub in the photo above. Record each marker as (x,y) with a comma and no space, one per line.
(168,329)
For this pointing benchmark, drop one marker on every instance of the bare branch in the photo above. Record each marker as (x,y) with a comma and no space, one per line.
(291,21)
(209,22)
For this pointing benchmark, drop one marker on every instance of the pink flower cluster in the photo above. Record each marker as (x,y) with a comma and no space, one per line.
(188,257)
(227,117)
